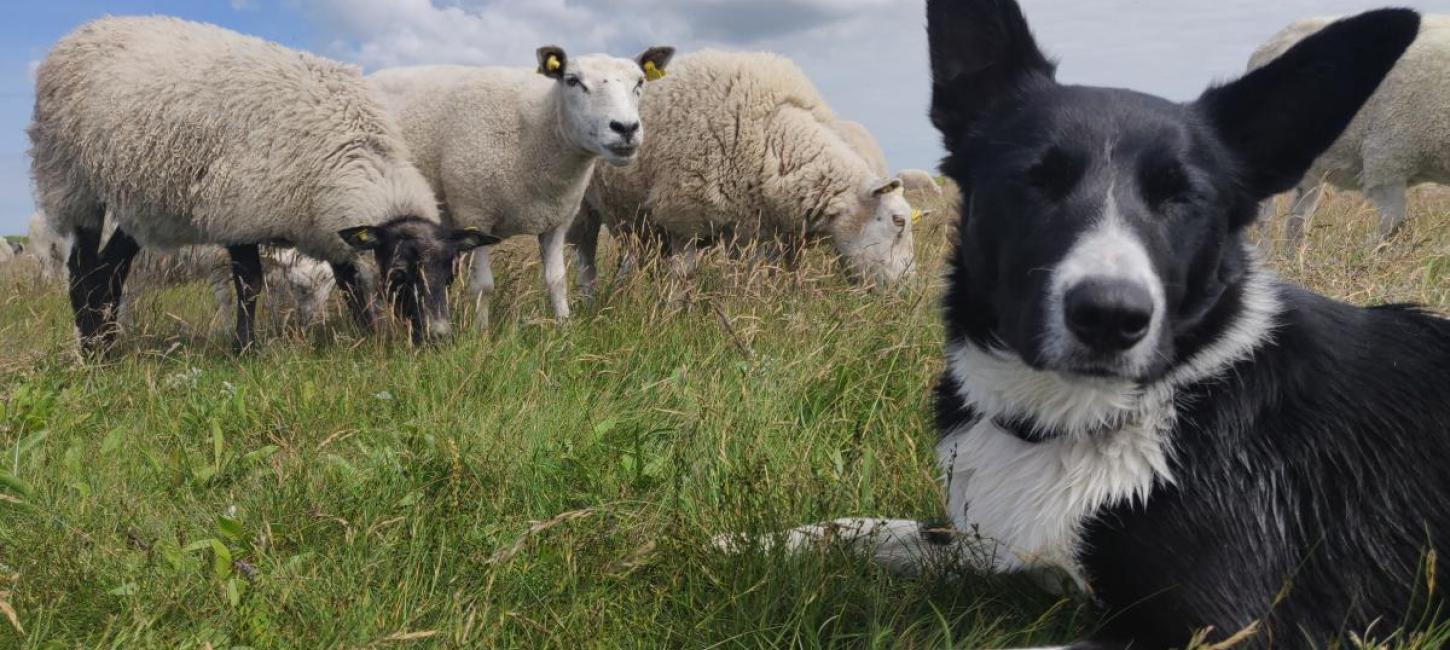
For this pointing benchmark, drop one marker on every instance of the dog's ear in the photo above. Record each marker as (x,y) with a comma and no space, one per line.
(981,52)
(1277,119)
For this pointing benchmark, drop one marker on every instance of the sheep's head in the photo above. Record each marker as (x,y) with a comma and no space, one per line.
(416,261)
(875,238)
(600,98)
(303,283)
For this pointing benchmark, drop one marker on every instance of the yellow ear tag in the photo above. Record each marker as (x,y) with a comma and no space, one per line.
(552,63)
(915,217)
(652,72)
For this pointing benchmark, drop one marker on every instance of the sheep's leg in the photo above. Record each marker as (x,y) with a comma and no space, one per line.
(480,284)
(1389,199)
(629,254)
(246,281)
(685,257)
(551,249)
(222,293)
(349,281)
(86,290)
(1301,211)
(116,261)
(585,236)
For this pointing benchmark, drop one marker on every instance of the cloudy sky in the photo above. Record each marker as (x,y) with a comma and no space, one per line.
(867,56)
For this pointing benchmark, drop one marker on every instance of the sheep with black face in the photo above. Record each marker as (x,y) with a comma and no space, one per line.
(261,144)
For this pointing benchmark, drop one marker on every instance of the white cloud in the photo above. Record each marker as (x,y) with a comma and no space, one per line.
(867,56)
(30,69)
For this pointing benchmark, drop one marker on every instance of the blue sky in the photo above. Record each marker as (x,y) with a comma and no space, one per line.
(867,56)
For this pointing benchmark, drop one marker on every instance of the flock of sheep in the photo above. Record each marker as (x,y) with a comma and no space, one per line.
(166,150)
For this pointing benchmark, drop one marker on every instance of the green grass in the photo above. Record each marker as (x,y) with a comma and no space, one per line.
(538,486)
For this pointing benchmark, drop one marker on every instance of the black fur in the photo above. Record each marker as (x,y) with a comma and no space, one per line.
(1309,479)
(1317,466)
(416,259)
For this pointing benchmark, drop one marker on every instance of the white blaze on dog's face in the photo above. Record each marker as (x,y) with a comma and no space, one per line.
(601,96)
(877,241)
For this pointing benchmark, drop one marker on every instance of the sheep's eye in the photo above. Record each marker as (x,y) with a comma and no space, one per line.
(573,82)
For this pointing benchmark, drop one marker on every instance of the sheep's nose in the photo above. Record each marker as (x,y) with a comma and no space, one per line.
(1108,316)
(627,130)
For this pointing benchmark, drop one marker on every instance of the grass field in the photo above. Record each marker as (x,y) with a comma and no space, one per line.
(540,486)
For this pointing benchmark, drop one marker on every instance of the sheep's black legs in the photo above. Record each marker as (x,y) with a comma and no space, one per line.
(116,260)
(585,236)
(350,282)
(86,284)
(98,278)
(247,280)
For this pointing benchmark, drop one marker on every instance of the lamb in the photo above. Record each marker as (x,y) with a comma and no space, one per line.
(1401,137)
(865,144)
(190,134)
(744,148)
(7,252)
(297,287)
(512,152)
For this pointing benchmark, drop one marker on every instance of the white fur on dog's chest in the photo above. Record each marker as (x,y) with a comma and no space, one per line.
(1028,501)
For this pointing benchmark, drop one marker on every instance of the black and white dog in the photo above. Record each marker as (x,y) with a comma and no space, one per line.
(1128,396)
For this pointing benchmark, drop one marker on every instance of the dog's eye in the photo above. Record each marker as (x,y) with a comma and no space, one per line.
(1055,175)
(1165,183)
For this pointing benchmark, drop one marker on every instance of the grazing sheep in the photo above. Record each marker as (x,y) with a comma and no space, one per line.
(190,134)
(744,149)
(297,287)
(862,142)
(1401,137)
(919,181)
(511,152)
(7,252)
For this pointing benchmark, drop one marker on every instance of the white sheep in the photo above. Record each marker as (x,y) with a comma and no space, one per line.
(1401,137)
(864,143)
(190,134)
(511,151)
(919,181)
(7,252)
(743,148)
(297,287)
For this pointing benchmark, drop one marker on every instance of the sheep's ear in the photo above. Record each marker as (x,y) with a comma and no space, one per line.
(981,52)
(885,186)
(552,61)
(468,239)
(654,61)
(1277,119)
(362,238)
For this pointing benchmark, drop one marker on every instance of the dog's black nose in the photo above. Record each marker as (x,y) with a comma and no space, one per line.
(626,130)
(1108,315)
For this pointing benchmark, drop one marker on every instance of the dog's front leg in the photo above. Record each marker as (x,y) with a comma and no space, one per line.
(903,547)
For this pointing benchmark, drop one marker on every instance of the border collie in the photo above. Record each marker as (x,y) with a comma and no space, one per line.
(1129,396)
